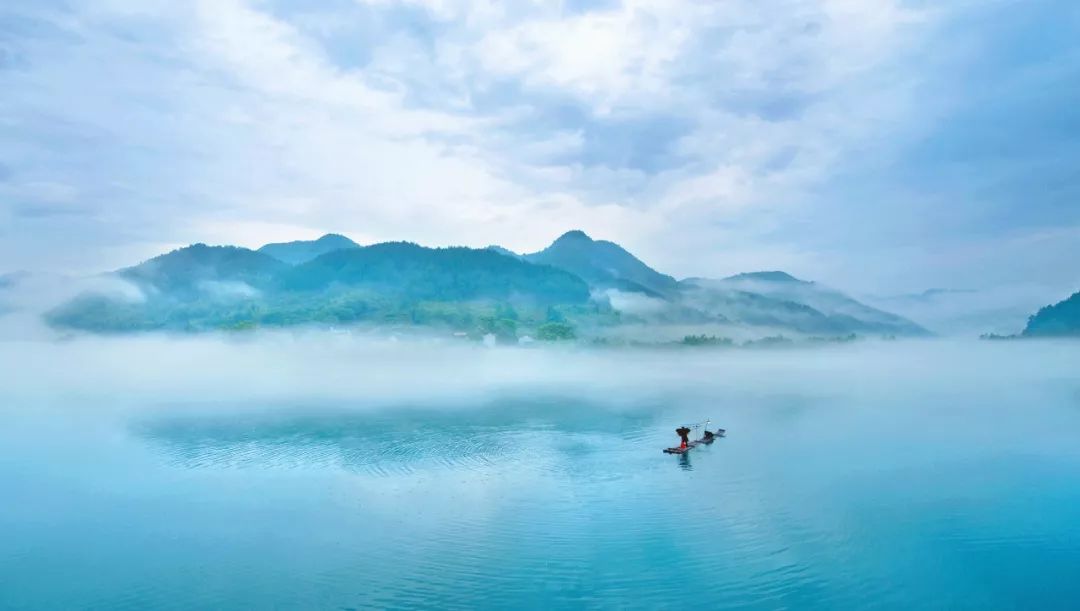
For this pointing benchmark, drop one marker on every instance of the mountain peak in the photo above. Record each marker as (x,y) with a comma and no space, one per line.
(200,251)
(335,238)
(768,276)
(574,235)
(183,270)
(300,251)
(603,264)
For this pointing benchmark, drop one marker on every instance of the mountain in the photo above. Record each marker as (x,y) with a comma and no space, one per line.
(770,277)
(444,274)
(485,290)
(174,291)
(302,251)
(604,264)
(938,292)
(504,251)
(778,299)
(969,312)
(1059,320)
(224,287)
(192,271)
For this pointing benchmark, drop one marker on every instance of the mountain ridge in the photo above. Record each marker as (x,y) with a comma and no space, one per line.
(575,279)
(603,264)
(300,251)
(456,271)
(766,276)
(1061,319)
(184,268)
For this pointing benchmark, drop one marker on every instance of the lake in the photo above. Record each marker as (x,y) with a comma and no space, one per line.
(336,473)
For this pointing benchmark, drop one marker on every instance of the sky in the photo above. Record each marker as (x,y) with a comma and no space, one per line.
(882,146)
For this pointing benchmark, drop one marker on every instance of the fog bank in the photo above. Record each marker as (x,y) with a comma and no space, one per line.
(277,368)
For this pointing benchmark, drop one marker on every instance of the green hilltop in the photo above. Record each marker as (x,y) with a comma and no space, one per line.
(301,251)
(604,264)
(1060,319)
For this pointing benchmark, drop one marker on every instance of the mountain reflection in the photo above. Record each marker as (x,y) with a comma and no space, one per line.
(387,440)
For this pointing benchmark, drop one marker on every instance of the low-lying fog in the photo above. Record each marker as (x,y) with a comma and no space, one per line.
(284,366)
(288,469)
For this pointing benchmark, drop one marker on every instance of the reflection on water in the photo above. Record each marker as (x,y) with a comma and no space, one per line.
(390,440)
(684,462)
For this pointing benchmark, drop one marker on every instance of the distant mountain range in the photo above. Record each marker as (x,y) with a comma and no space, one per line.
(780,300)
(575,286)
(1001,310)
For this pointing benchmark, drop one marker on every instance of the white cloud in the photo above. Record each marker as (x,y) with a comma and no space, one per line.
(476,122)
(610,58)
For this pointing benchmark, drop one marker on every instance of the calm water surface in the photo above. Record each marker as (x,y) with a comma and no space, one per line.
(887,477)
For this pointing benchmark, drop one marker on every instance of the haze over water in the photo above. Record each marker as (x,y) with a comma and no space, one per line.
(323,472)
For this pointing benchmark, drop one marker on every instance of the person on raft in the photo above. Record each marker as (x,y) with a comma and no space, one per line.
(684,434)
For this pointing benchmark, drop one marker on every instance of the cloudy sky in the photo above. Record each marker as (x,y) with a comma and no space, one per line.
(878,145)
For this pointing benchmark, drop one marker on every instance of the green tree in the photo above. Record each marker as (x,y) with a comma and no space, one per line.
(555,331)
(504,329)
(554,315)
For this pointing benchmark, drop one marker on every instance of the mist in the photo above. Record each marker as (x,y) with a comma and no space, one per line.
(350,403)
(376,370)
(25,298)
(1003,310)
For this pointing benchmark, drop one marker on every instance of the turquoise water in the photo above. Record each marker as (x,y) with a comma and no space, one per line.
(900,477)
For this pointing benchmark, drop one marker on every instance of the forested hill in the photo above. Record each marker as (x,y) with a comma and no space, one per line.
(204,287)
(604,264)
(190,271)
(409,271)
(1060,319)
(301,251)
(576,281)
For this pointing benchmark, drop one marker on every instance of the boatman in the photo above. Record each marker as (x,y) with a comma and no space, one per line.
(683,433)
